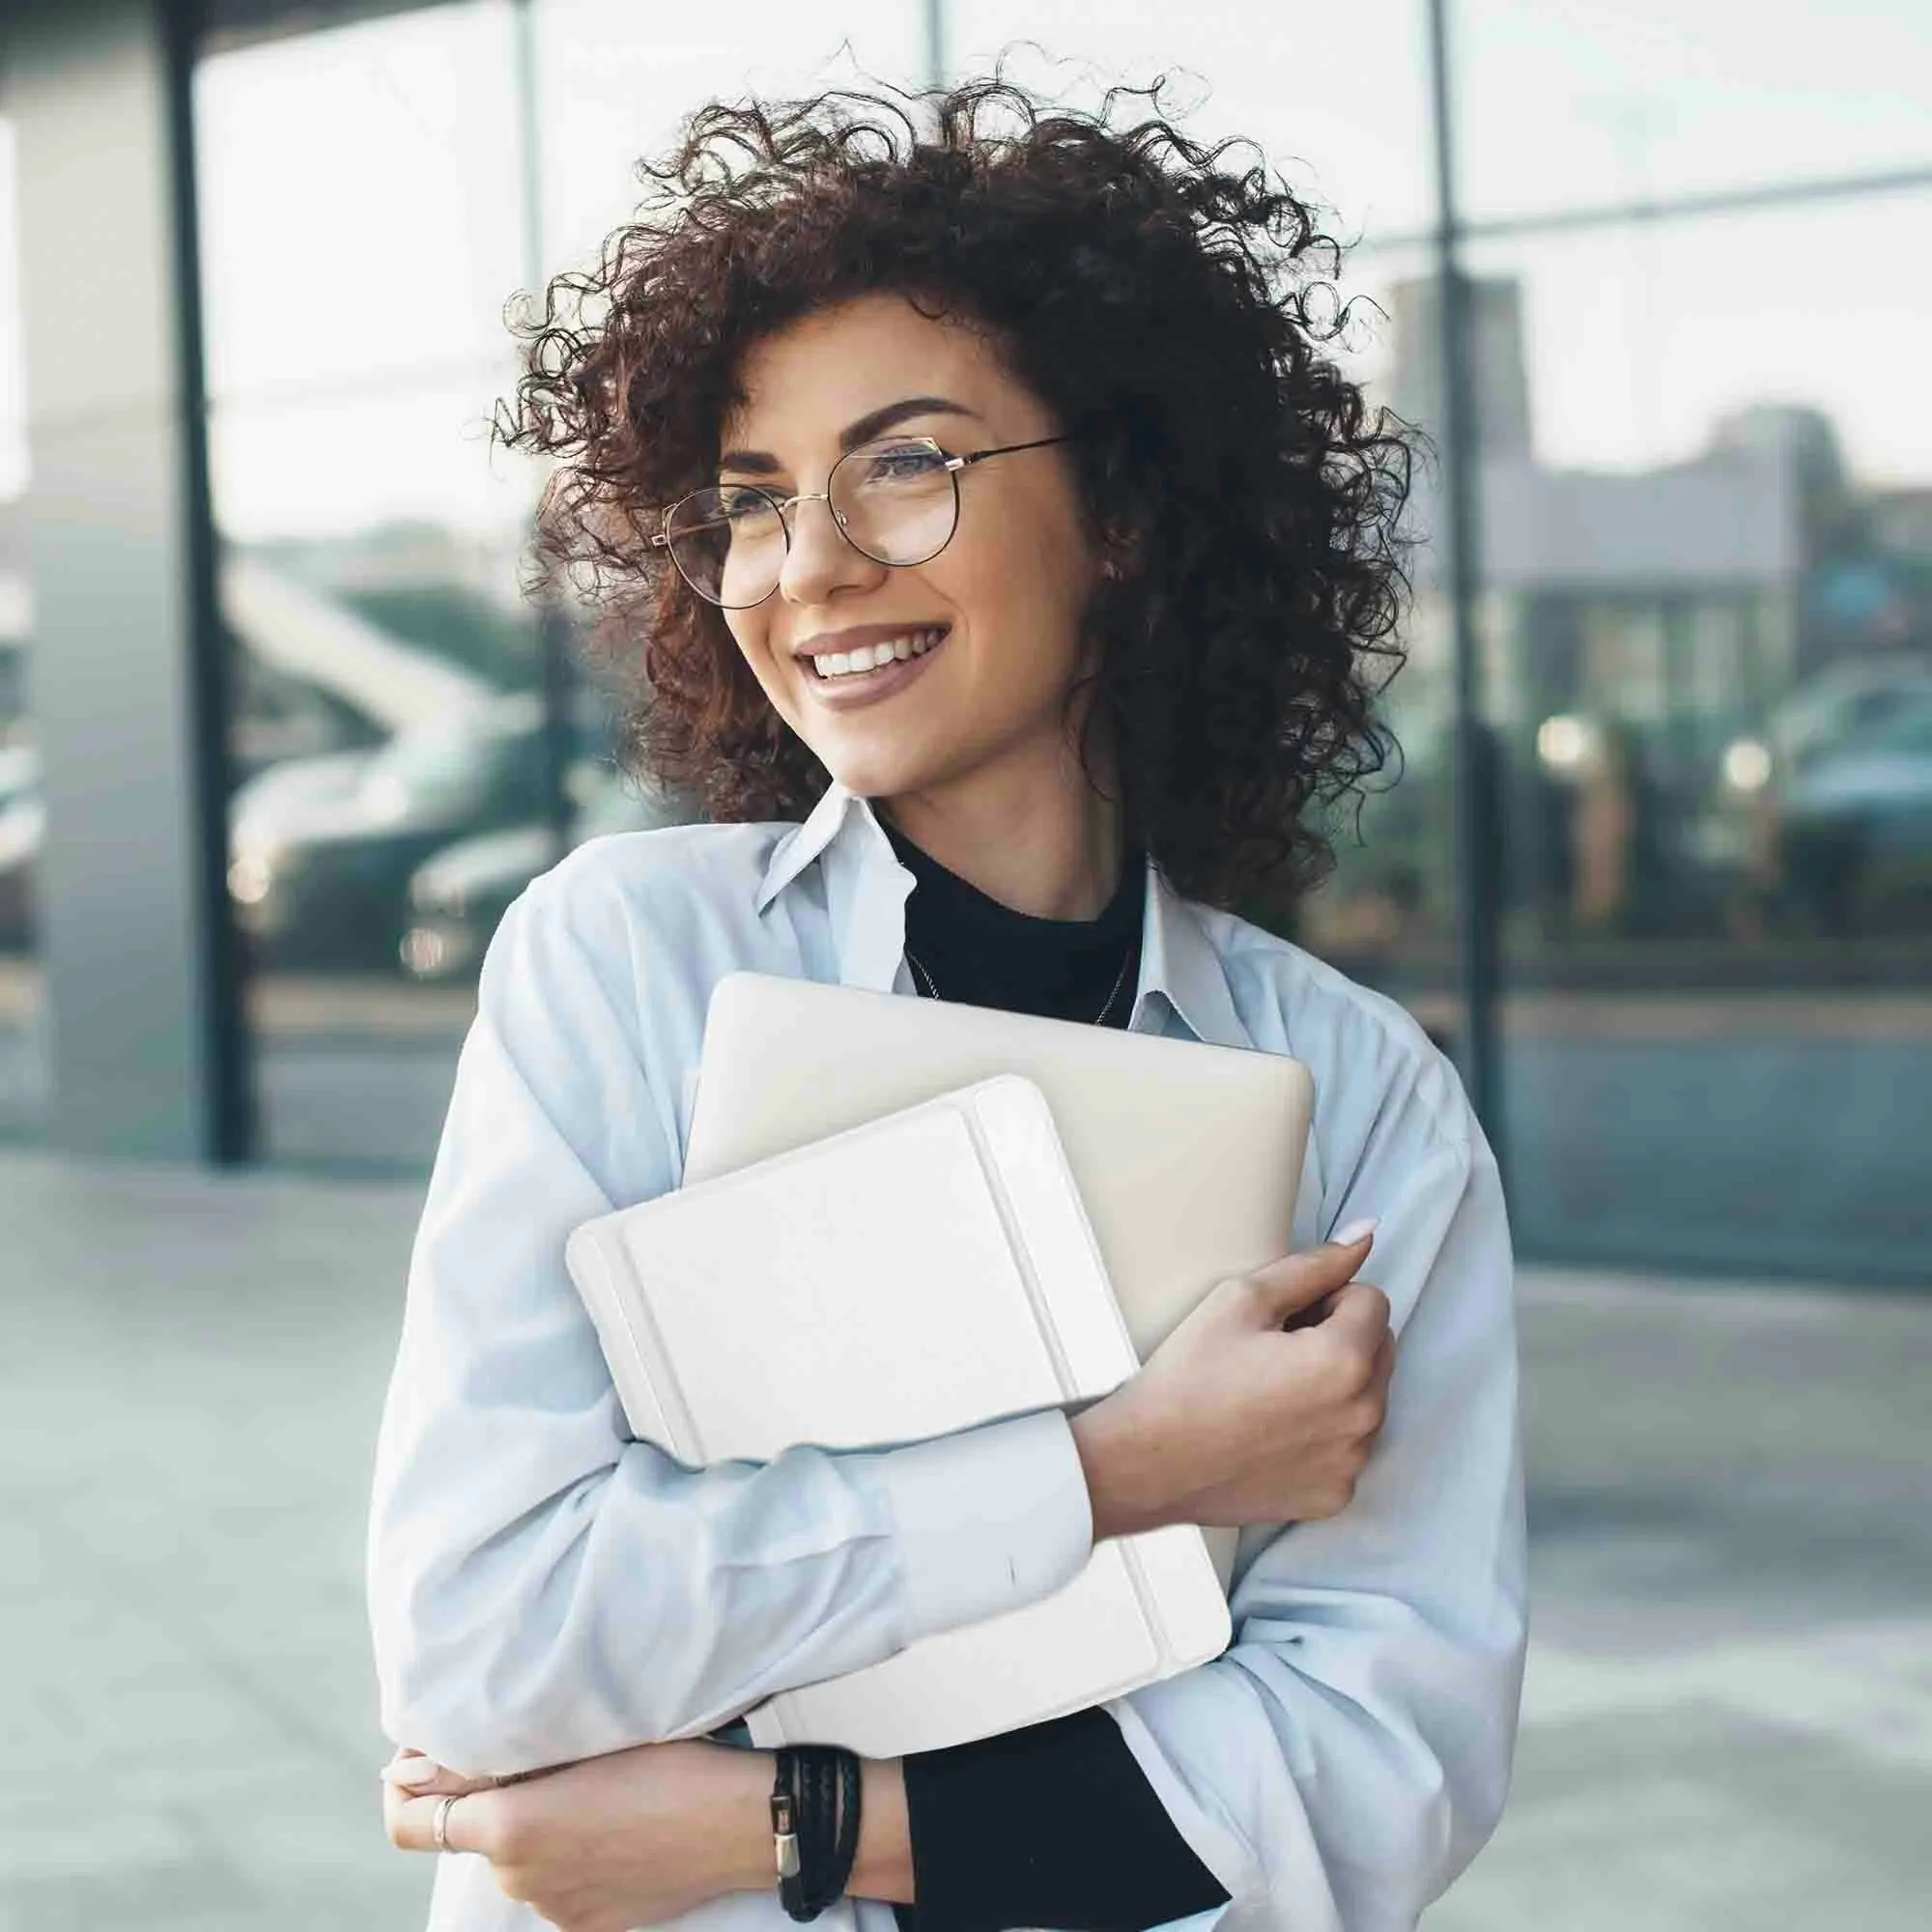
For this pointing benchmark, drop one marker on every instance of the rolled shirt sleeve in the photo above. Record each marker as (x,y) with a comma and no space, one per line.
(541,1588)
(1350,1754)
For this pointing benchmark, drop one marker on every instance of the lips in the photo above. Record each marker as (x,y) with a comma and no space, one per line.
(859,659)
(868,682)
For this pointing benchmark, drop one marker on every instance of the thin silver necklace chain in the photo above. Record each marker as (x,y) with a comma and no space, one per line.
(932,991)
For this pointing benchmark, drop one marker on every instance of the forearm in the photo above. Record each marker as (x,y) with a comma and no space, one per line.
(598,1620)
(882,1866)
(1119,1487)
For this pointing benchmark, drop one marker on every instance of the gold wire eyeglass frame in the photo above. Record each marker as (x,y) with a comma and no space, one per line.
(783,505)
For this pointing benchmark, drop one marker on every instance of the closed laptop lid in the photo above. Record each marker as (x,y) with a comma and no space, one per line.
(1187,1155)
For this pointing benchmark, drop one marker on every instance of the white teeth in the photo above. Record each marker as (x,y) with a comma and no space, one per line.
(868,657)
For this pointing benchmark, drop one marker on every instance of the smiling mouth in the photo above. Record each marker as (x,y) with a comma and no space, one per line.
(836,667)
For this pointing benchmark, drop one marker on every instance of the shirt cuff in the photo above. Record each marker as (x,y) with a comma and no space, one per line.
(987,1521)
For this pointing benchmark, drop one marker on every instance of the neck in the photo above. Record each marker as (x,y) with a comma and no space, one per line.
(1046,843)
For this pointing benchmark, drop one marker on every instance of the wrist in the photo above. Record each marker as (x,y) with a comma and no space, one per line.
(745,1802)
(882,1866)
(881,1862)
(1119,1495)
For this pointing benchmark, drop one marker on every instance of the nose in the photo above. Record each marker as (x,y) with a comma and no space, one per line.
(819,560)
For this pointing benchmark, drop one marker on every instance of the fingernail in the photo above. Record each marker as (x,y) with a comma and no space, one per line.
(1355,1230)
(410,1772)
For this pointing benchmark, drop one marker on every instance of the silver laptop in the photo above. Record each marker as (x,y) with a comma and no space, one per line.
(1187,1155)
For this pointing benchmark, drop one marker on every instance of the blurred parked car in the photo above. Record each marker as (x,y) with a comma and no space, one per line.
(456,897)
(1838,705)
(1842,782)
(1856,825)
(321,849)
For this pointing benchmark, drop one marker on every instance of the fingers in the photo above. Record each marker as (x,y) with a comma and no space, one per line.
(1384,1369)
(1361,1316)
(1297,1281)
(413,1774)
(412,1823)
(1311,1317)
(409,1770)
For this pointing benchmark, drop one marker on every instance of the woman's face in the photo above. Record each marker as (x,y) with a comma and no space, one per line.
(1006,596)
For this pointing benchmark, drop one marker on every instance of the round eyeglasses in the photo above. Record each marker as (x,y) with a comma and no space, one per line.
(896,502)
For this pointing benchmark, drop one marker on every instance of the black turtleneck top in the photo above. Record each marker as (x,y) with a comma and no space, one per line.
(1053,1824)
(982,954)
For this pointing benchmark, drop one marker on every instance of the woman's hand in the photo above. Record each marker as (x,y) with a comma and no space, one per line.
(617,1841)
(1233,1420)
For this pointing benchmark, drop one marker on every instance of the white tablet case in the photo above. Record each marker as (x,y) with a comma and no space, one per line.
(1189,1156)
(913,1276)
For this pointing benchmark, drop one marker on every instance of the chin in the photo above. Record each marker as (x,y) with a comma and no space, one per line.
(871,761)
(875,778)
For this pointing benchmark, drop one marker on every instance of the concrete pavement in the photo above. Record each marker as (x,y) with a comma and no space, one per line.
(1728,1720)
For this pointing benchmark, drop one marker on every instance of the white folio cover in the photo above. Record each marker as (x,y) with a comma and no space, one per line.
(907,1278)
(1186,1154)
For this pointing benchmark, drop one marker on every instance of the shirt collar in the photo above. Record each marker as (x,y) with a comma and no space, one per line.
(1179,961)
(865,890)
(803,844)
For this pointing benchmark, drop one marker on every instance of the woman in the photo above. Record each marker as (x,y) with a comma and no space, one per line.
(1016,573)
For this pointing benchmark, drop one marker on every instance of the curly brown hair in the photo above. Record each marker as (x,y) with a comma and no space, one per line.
(1169,302)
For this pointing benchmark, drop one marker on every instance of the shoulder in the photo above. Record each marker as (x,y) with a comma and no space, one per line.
(1378,1073)
(598,978)
(654,884)
(648,919)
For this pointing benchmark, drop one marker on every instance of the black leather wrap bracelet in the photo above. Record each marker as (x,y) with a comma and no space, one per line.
(815,1825)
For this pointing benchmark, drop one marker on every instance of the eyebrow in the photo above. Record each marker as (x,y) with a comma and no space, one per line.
(762,462)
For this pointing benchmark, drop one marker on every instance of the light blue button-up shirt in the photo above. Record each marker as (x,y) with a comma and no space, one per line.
(544,1588)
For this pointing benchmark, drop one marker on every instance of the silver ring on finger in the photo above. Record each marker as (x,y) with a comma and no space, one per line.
(439,1829)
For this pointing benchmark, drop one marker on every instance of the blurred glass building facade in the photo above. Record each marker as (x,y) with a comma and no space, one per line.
(279,738)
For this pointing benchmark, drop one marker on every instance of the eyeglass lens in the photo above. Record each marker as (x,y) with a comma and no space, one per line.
(896,502)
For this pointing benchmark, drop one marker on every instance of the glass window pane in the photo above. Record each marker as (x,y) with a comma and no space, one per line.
(360,202)
(1648,100)
(385,668)
(615,80)
(1341,107)
(26,1068)
(1709,654)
